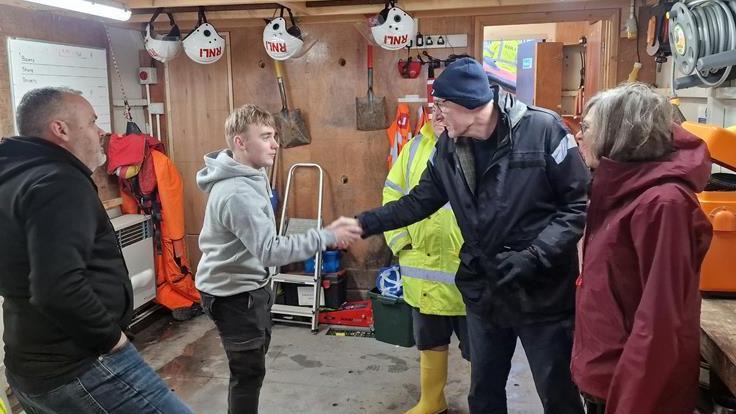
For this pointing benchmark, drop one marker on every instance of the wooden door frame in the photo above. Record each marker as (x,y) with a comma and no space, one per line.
(610,15)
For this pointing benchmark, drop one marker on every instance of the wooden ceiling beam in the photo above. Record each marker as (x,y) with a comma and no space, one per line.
(332,7)
(147,4)
(297,7)
(214,17)
(234,24)
(342,3)
(443,9)
(208,9)
(544,6)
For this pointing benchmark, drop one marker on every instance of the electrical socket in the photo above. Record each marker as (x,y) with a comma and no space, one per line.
(156,108)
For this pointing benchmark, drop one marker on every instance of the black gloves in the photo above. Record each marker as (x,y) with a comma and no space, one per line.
(515,267)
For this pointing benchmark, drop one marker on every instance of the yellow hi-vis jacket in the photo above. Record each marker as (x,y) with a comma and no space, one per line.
(428,267)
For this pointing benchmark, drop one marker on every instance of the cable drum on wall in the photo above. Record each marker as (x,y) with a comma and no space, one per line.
(703,41)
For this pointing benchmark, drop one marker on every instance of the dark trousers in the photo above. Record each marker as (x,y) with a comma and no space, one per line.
(244,324)
(432,331)
(594,405)
(547,345)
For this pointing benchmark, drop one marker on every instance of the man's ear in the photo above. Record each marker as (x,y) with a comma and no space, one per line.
(59,129)
(239,141)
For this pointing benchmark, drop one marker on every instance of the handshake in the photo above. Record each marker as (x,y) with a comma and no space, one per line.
(346,231)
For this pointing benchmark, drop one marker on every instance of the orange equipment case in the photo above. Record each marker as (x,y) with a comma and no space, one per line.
(718,274)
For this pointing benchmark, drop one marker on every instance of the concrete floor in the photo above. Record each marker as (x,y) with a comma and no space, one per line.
(313,373)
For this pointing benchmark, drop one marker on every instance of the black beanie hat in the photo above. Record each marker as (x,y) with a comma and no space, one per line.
(465,83)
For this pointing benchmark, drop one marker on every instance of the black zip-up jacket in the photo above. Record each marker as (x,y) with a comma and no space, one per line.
(62,275)
(532,196)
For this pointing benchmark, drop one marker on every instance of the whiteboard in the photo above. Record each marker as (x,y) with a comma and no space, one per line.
(35,64)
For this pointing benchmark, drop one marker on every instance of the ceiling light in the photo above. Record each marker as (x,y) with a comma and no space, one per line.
(89,7)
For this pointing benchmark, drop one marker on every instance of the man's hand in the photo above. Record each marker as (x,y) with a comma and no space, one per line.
(346,231)
(122,341)
(515,266)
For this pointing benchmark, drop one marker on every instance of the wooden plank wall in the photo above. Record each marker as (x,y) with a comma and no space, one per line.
(323,84)
(200,101)
(39,25)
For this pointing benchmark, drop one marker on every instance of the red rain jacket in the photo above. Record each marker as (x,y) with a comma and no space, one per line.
(637,318)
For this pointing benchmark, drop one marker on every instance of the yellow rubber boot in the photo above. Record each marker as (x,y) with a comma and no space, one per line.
(432,379)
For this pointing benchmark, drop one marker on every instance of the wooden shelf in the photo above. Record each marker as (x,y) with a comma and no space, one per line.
(718,338)
(726,92)
(108,204)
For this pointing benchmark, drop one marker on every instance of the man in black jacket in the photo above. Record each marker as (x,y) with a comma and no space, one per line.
(517,184)
(67,294)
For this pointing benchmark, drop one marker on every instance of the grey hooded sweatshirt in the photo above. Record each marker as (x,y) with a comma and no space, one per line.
(239,241)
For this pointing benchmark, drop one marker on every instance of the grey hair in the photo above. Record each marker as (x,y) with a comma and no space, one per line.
(38,107)
(630,123)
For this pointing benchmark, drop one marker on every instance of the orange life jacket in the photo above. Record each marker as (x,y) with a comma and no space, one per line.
(399,133)
(422,118)
(174,280)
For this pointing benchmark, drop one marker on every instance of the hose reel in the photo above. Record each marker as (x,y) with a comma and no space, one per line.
(703,41)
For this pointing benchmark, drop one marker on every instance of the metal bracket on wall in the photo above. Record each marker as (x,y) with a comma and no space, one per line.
(412,99)
(439,41)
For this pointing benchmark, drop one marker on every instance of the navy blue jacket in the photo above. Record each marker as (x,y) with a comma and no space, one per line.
(532,195)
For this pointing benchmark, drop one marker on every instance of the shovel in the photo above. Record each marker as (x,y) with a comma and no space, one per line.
(292,129)
(370,112)
(274,190)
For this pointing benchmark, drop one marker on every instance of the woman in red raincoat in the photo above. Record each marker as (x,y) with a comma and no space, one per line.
(637,318)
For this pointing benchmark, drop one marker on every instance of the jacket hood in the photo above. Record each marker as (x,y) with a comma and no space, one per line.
(689,164)
(18,154)
(220,165)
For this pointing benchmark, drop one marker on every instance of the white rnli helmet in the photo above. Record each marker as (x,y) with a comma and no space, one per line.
(280,44)
(162,48)
(203,44)
(282,41)
(394,29)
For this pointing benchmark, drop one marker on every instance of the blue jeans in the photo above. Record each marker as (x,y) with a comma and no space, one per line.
(547,345)
(118,383)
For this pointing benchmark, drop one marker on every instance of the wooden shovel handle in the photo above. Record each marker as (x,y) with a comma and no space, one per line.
(278,68)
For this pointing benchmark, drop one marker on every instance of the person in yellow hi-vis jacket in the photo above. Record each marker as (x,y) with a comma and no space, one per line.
(428,256)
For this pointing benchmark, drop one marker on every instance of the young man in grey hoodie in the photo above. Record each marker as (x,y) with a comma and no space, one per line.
(239,244)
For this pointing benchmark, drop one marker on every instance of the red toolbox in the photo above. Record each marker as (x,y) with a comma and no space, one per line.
(358,313)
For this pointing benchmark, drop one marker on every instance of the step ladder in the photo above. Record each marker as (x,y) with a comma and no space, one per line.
(288,226)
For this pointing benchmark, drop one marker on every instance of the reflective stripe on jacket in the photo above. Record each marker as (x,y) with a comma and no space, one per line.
(428,268)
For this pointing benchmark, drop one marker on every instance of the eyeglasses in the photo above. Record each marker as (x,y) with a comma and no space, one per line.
(437,106)
(584,128)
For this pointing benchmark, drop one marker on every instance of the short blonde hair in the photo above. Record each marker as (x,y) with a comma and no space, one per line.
(239,119)
(630,123)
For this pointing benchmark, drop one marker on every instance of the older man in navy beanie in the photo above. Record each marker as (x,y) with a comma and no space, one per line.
(517,184)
